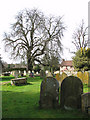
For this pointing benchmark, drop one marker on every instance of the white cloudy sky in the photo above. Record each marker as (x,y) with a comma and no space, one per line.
(72,10)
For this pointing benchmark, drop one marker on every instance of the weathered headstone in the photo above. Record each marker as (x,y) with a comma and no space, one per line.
(70,94)
(86,103)
(19,81)
(84,77)
(16,74)
(49,93)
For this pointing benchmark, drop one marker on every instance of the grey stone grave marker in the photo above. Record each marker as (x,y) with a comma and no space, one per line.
(49,93)
(70,94)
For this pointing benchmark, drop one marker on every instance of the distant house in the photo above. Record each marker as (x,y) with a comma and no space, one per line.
(67,67)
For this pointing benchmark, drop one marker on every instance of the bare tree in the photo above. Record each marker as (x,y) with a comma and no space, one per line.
(30,35)
(80,36)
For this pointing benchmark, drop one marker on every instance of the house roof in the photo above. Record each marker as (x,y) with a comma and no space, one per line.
(66,63)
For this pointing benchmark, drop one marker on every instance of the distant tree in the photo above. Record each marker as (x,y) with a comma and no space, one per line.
(88,53)
(81,61)
(51,62)
(80,36)
(37,68)
(30,35)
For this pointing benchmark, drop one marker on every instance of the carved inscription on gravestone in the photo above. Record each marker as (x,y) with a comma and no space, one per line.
(70,94)
(49,93)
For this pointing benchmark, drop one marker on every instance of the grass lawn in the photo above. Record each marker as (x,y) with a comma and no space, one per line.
(6,78)
(22,102)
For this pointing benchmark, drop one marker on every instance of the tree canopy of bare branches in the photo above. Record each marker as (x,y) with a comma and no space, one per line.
(32,34)
(80,36)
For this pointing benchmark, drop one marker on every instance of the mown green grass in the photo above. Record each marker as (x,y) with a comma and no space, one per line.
(23,102)
(6,78)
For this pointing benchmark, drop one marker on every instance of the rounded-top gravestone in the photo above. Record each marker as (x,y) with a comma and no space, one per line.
(49,93)
(70,94)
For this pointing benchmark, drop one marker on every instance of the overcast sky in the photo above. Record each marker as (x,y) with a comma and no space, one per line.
(73,11)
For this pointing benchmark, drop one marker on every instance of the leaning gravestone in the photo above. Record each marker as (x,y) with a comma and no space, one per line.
(70,94)
(49,93)
(86,102)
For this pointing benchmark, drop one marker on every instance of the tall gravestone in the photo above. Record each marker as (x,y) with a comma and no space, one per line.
(70,94)
(49,93)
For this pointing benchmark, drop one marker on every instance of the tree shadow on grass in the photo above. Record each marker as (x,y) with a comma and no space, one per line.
(24,84)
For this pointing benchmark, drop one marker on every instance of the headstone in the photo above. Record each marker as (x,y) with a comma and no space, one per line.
(49,93)
(16,73)
(70,94)
(25,73)
(86,103)
(84,77)
(19,81)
